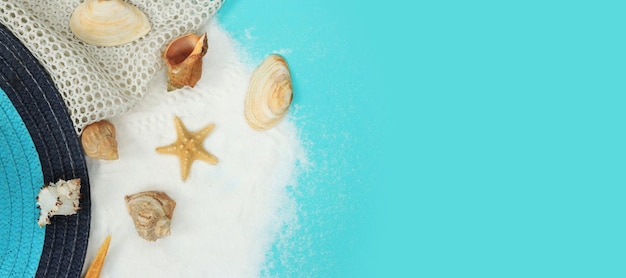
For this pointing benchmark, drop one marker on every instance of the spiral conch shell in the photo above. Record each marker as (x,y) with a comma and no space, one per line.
(108,22)
(60,198)
(269,93)
(98,140)
(152,213)
(183,58)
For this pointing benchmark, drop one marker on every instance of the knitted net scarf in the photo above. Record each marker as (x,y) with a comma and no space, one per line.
(98,82)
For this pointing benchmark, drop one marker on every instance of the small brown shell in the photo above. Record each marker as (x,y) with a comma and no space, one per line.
(183,58)
(269,93)
(98,140)
(152,213)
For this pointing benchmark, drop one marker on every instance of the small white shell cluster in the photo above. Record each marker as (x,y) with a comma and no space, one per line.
(60,198)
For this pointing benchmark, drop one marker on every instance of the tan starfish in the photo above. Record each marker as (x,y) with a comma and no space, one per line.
(188,147)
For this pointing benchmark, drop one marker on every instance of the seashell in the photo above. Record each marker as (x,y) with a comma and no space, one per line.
(269,93)
(152,213)
(96,266)
(98,140)
(60,198)
(183,58)
(108,22)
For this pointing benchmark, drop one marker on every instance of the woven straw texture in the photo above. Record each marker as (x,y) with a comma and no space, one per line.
(35,98)
(20,179)
(100,82)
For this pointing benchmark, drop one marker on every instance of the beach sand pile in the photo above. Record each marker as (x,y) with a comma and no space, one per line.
(228,215)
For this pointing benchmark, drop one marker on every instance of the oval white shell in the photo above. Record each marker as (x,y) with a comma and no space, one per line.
(108,22)
(269,93)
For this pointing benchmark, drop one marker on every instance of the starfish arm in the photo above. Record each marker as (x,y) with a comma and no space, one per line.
(185,164)
(203,155)
(181,130)
(200,135)
(169,149)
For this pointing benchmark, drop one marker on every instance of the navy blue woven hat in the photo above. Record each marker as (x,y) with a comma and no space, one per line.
(38,145)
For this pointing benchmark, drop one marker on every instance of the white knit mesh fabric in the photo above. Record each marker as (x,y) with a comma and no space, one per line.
(100,82)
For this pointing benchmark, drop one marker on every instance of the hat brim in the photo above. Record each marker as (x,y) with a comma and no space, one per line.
(21,239)
(45,116)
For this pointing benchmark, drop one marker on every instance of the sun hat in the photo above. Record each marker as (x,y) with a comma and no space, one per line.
(20,166)
(38,145)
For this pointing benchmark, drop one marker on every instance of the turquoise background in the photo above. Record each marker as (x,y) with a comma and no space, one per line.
(338,113)
(452,138)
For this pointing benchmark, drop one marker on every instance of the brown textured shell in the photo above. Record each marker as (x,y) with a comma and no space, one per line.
(183,58)
(98,140)
(152,213)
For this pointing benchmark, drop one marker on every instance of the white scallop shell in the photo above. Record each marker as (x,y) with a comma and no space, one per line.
(269,93)
(108,22)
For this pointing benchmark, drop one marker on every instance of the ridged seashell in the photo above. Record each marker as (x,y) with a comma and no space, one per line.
(98,140)
(152,213)
(60,198)
(96,266)
(108,22)
(183,58)
(269,93)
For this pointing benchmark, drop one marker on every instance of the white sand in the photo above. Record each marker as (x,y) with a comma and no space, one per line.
(227,215)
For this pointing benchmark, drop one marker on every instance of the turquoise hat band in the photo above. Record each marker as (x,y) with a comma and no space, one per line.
(21,239)
(30,90)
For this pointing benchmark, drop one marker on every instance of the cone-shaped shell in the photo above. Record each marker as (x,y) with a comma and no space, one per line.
(98,140)
(269,93)
(108,22)
(96,266)
(183,58)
